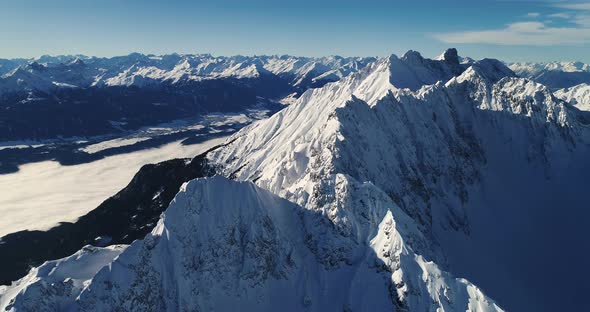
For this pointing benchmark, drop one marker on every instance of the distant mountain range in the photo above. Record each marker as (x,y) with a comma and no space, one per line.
(47,72)
(70,96)
(554,75)
(77,96)
(50,72)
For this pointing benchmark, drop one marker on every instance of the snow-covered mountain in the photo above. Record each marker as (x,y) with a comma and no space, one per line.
(479,162)
(578,96)
(47,73)
(537,68)
(255,251)
(342,128)
(10,64)
(374,192)
(412,71)
(554,74)
(51,286)
(84,96)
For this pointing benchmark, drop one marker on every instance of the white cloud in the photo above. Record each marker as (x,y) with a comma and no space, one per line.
(560,15)
(533,33)
(521,33)
(525,27)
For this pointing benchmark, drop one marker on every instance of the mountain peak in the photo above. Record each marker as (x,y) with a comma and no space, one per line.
(450,56)
(36,66)
(412,56)
(76,62)
(491,69)
(413,71)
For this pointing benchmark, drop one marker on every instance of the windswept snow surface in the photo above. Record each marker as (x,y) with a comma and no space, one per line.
(40,195)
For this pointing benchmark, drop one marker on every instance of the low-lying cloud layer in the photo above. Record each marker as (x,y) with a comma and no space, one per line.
(44,194)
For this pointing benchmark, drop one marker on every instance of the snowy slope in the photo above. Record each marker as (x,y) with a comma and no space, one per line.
(53,285)
(46,77)
(578,96)
(21,79)
(262,253)
(428,151)
(9,65)
(322,133)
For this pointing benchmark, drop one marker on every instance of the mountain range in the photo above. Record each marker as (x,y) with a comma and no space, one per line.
(47,72)
(554,74)
(77,96)
(409,184)
(82,96)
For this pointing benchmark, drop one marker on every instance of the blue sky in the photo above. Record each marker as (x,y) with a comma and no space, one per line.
(509,30)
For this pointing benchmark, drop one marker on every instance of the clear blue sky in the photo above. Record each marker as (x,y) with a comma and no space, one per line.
(509,30)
